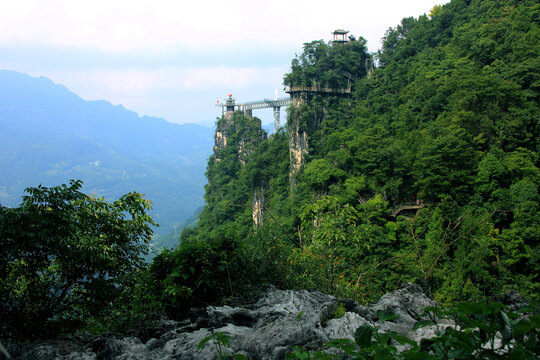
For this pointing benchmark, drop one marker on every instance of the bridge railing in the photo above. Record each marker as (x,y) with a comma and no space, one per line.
(319,89)
(266,103)
(412,205)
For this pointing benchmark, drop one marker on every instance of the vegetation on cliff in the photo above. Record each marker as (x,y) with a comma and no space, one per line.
(428,172)
(334,66)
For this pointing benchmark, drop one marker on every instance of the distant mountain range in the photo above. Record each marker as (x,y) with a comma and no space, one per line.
(49,135)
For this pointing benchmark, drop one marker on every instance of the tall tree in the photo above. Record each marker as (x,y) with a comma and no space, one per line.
(64,256)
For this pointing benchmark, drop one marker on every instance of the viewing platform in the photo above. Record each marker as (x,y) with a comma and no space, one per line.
(263,104)
(413,205)
(230,106)
(318,89)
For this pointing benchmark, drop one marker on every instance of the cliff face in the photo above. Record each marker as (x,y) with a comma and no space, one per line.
(237,136)
(257,206)
(220,140)
(306,114)
(298,148)
(241,132)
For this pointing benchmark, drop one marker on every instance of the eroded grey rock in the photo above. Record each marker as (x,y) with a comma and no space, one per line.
(407,302)
(344,327)
(514,301)
(267,329)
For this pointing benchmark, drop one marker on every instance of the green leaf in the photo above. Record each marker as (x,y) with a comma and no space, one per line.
(321,355)
(298,353)
(506,331)
(363,334)
(422,323)
(420,355)
(345,345)
(386,315)
(222,338)
(384,339)
(474,308)
(384,353)
(517,353)
(239,357)
(457,353)
(425,344)
(523,327)
(403,339)
(203,342)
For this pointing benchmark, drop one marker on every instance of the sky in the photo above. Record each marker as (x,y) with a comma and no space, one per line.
(175,58)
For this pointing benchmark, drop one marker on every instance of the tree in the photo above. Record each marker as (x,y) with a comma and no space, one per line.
(329,65)
(64,256)
(445,165)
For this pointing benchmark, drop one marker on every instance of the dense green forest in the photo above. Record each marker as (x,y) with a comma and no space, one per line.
(428,171)
(447,124)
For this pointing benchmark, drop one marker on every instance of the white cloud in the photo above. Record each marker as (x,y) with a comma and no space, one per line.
(218,76)
(167,92)
(110,82)
(141,81)
(117,25)
(161,57)
(221,76)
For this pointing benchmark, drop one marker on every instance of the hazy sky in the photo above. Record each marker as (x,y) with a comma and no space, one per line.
(175,58)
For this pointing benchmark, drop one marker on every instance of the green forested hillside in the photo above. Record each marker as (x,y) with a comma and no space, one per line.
(426,172)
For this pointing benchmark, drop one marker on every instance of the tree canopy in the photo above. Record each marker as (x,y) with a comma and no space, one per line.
(64,256)
(446,123)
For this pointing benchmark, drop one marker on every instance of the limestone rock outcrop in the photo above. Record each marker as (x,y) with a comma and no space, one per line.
(267,329)
(243,133)
(257,206)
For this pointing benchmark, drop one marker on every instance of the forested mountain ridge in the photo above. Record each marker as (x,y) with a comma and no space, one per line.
(50,135)
(427,172)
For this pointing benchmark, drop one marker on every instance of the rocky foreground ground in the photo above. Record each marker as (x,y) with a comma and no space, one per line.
(267,329)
